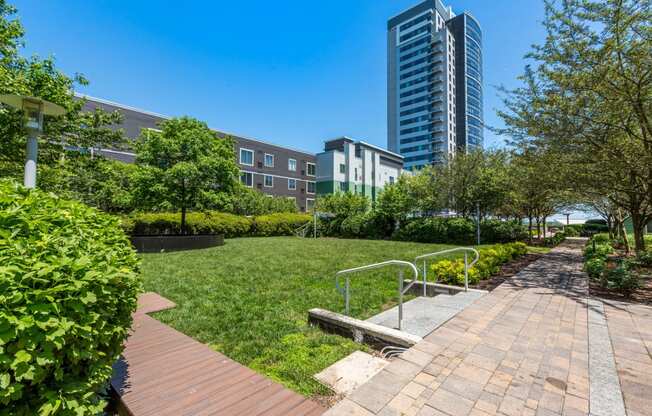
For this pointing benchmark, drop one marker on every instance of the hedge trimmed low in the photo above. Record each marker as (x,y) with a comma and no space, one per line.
(452,271)
(167,223)
(213,222)
(68,286)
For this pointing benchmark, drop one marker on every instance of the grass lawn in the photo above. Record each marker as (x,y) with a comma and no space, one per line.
(249,298)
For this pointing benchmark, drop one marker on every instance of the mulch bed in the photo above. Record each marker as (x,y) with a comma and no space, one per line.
(643,295)
(507,271)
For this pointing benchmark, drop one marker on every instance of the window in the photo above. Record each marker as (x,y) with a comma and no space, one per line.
(269,160)
(311,169)
(343,186)
(356,173)
(310,204)
(292,165)
(342,168)
(311,188)
(269,181)
(247,157)
(292,184)
(247,179)
(391,179)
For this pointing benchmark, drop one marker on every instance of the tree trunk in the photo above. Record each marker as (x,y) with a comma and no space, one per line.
(183,219)
(545,221)
(538,228)
(529,229)
(639,224)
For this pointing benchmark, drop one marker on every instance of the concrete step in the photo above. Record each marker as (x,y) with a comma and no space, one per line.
(350,372)
(422,315)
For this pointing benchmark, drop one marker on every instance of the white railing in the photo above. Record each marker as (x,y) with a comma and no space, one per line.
(402,289)
(467,266)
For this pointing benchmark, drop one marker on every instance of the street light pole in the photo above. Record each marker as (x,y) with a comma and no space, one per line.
(30,160)
(34,109)
(477,215)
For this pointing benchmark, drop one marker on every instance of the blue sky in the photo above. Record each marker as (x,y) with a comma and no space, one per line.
(290,72)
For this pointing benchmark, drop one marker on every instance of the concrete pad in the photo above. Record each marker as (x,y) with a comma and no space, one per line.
(423,315)
(350,372)
(606,397)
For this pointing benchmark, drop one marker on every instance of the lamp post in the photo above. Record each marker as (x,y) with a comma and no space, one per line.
(34,109)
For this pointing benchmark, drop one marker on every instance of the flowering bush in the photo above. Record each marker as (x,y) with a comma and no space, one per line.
(452,271)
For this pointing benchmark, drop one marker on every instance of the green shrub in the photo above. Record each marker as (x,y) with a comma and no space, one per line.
(459,231)
(621,278)
(278,224)
(595,267)
(644,258)
(571,231)
(163,223)
(601,238)
(598,251)
(452,271)
(68,286)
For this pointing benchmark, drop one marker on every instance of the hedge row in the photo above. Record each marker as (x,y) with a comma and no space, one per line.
(214,223)
(452,271)
(68,286)
(586,229)
(460,231)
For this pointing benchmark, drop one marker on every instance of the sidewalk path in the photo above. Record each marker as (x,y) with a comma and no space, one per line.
(524,349)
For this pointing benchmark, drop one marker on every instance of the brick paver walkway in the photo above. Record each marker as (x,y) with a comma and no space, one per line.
(521,350)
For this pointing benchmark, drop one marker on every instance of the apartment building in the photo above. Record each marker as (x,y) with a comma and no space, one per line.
(269,168)
(434,84)
(357,167)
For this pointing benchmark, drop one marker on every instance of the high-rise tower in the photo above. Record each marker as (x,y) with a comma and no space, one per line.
(434,84)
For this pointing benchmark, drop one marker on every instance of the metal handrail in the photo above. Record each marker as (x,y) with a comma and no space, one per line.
(401,288)
(467,266)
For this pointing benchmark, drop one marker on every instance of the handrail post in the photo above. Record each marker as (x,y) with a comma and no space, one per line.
(425,274)
(346,298)
(400,298)
(466,271)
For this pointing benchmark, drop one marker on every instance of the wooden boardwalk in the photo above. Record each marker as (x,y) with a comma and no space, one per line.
(164,372)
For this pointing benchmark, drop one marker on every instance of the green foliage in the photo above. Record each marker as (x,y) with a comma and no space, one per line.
(343,204)
(247,201)
(68,285)
(601,238)
(459,231)
(279,224)
(245,297)
(452,271)
(620,278)
(185,166)
(210,222)
(598,251)
(595,266)
(571,231)
(555,240)
(301,355)
(644,258)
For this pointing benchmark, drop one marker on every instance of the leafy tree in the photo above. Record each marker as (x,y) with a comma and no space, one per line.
(247,201)
(589,97)
(184,166)
(77,130)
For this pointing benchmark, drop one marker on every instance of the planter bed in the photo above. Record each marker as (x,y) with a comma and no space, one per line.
(159,243)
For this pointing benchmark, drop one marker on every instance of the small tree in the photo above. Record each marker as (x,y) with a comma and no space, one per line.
(184,166)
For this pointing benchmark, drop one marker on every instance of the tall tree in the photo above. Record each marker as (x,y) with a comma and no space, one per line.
(589,97)
(184,166)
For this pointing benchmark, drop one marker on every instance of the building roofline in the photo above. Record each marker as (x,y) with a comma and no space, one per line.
(150,113)
(119,105)
(373,146)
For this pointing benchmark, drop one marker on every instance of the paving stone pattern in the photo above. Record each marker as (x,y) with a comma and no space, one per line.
(523,349)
